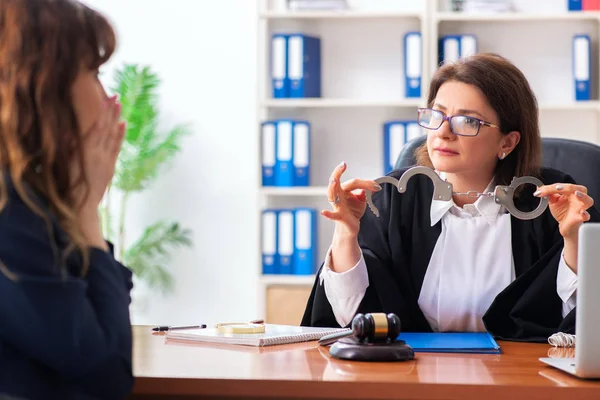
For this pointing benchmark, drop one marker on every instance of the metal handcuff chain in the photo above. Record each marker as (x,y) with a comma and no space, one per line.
(442,190)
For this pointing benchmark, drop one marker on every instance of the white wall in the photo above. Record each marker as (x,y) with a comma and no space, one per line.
(205,53)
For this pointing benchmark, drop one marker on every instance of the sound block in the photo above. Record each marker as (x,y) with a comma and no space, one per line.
(351,348)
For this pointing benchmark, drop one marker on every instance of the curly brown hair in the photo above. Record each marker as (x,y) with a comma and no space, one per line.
(510,95)
(44,45)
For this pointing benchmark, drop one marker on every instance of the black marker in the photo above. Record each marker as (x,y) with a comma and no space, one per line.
(172,328)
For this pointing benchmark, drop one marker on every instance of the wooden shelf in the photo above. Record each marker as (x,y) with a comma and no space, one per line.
(293,280)
(592,105)
(516,16)
(339,103)
(294,191)
(341,14)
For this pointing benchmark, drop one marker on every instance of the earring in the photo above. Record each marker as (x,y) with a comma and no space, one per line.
(502,156)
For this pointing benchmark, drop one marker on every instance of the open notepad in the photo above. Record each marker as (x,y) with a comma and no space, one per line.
(273,335)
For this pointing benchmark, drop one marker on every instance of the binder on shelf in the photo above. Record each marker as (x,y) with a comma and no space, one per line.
(412,64)
(304,65)
(305,241)
(268,153)
(301,156)
(590,5)
(394,139)
(413,131)
(269,236)
(284,172)
(279,68)
(453,47)
(285,241)
(581,67)
(575,5)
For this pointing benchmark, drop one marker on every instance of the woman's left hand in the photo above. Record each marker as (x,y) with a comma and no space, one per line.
(568,204)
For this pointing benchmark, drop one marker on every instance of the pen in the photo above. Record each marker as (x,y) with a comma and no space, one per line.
(172,328)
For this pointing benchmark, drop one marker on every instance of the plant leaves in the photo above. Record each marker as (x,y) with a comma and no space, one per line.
(144,153)
(144,149)
(148,256)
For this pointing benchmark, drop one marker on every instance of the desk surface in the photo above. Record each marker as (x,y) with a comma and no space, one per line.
(306,371)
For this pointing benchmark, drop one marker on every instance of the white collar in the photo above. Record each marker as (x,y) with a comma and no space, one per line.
(484,207)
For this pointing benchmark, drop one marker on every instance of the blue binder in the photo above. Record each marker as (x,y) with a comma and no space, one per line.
(269,237)
(284,169)
(412,64)
(268,152)
(279,66)
(305,241)
(394,137)
(575,5)
(413,130)
(581,67)
(301,157)
(440,342)
(453,47)
(285,241)
(304,65)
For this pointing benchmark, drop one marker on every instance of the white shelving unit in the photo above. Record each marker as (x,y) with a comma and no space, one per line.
(363,84)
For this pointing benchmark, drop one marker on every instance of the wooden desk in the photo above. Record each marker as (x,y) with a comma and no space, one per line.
(306,371)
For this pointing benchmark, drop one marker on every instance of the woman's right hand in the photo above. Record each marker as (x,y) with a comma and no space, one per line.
(349,202)
(101,147)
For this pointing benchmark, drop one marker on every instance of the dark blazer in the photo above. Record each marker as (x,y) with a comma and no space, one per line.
(397,248)
(62,335)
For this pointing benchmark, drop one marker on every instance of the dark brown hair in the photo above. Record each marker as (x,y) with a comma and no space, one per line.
(510,95)
(44,44)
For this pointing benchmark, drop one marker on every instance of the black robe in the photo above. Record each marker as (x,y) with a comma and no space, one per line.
(397,247)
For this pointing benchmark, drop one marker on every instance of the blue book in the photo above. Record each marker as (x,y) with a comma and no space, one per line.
(284,143)
(280,81)
(575,5)
(451,342)
(304,66)
(305,241)
(412,64)
(582,66)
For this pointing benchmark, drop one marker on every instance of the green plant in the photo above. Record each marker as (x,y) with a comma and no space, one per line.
(144,153)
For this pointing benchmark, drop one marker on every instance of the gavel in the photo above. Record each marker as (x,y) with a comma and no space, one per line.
(370,328)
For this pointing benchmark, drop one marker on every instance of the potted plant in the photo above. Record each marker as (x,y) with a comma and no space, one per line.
(145,153)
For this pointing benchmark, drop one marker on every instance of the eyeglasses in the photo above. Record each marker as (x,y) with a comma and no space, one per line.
(461,125)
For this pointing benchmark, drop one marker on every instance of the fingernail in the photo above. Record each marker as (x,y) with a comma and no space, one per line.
(585,213)
(578,194)
(537,193)
(559,187)
(342,164)
(377,187)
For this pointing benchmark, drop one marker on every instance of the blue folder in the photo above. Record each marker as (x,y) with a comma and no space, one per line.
(441,342)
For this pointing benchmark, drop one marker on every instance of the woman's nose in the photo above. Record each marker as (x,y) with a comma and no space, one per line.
(444,131)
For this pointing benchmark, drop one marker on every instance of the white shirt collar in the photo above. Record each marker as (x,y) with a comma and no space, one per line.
(485,207)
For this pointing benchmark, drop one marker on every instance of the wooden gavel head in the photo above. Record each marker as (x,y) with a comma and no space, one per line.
(376,327)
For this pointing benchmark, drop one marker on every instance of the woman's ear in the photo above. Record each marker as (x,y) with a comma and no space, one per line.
(509,142)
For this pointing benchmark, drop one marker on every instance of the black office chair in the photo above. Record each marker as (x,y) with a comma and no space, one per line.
(579,159)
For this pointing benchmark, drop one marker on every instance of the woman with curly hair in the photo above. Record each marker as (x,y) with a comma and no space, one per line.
(64,312)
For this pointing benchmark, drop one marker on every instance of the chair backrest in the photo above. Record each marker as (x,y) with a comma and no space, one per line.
(579,159)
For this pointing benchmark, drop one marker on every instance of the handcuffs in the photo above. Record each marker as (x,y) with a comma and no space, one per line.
(442,190)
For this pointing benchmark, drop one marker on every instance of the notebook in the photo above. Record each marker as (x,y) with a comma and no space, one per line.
(451,342)
(274,334)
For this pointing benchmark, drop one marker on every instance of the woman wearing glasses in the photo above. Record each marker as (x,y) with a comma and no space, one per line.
(464,264)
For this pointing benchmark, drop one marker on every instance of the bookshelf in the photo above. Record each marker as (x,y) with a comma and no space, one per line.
(363,84)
